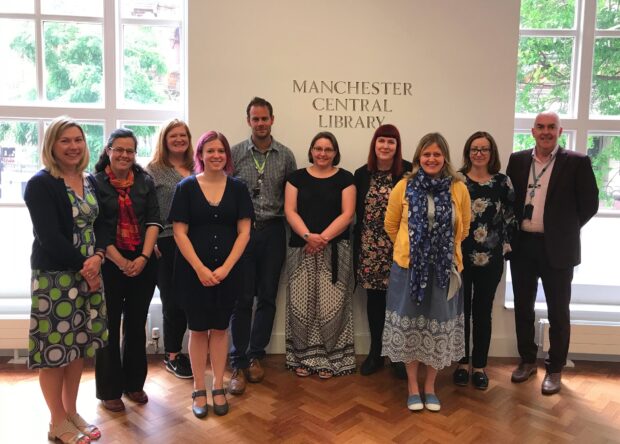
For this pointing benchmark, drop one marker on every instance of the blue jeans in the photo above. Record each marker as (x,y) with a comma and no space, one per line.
(262,264)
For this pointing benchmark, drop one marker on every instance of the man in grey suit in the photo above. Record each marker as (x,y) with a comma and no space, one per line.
(556,194)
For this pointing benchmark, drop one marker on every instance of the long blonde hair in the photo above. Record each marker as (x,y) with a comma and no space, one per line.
(426,141)
(161,155)
(52,134)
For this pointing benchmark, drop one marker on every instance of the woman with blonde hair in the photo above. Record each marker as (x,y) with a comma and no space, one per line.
(427,218)
(173,161)
(67,319)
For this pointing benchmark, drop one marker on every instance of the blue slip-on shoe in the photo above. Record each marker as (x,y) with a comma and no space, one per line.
(414,403)
(431,402)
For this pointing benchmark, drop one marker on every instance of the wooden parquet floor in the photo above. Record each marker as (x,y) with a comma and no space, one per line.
(351,409)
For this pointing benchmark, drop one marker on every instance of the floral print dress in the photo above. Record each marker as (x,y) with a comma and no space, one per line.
(375,246)
(493,221)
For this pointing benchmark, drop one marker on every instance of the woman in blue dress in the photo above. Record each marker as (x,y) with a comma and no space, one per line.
(68,314)
(211,215)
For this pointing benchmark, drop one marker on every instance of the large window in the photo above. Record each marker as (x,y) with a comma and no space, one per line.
(569,62)
(105,67)
(106,63)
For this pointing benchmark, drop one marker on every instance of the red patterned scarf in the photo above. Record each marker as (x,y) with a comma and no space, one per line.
(127,231)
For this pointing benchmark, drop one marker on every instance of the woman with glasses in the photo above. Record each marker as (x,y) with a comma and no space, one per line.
(319,204)
(131,212)
(173,160)
(67,318)
(492,226)
(372,252)
(427,218)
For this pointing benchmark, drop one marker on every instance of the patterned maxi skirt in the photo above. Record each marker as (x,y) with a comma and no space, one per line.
(431,332)
(319,313)
(67,321)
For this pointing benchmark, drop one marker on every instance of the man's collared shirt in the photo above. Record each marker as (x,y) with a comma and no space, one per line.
(536,224)
(278,161)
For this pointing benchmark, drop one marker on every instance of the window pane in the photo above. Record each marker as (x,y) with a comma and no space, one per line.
(525,141)
(90,8)
(152,56)
(73,62)
(607,14)
(604,150)
(547,14)
(17,50)
(169,10)
(19,158)
(606,77)
(21,6)
(147,140)
(95,142)
(544,74)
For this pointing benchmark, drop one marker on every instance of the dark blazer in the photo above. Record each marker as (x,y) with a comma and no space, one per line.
(52,222)
(362,184)
(572,199)
(143,200)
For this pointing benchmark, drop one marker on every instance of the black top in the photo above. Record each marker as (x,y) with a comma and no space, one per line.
(52,221)
(143,200)
(319,201)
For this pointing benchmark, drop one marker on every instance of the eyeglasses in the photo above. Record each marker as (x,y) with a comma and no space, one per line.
(317,150)
(480,150)
(128,151)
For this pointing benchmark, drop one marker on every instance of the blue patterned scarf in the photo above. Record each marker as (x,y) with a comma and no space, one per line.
(434,246)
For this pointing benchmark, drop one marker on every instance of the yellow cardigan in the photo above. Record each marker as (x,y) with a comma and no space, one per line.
(397,219)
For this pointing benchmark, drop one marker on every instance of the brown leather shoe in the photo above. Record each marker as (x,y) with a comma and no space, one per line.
(237,382)
(552,383)
(255,371)
(113,405)
(139,397)
(523,372)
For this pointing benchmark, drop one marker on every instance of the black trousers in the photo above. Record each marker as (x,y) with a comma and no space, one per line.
(116,370)
(527,267)
(479,285)
(175,322)
(375,310)
(262,265)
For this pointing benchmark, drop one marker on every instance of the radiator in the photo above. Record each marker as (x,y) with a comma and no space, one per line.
(14,335)
(587,337)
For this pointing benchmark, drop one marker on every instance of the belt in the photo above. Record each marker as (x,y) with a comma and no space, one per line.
(533,234)
(262,224)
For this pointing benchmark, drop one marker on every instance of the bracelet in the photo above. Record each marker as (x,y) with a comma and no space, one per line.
(101,256)
(144,256)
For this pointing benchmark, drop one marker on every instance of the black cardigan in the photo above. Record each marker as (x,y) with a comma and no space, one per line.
(362,184)
(52,222)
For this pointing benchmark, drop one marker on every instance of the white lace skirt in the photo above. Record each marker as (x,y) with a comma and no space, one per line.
(431,332)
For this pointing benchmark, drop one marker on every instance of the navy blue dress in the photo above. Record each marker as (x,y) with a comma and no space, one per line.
(212,231)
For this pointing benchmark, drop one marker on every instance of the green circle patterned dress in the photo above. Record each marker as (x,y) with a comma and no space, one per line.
(67,320)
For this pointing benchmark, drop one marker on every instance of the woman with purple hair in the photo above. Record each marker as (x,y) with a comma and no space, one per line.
(211,215)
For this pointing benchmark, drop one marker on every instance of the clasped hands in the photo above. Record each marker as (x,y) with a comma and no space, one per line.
(91,272)
(210,278)
(315,243)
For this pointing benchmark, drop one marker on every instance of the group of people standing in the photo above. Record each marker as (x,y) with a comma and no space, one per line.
(208,227)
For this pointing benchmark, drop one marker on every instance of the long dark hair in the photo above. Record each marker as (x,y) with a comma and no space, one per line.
(494,163)
(386,130)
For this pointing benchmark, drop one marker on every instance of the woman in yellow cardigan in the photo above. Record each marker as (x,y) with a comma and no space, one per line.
(427,217)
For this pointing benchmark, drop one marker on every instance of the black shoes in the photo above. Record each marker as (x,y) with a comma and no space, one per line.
(461,376)
(200,411)
(371,364)
(179,366)
(480,380)
(220,409)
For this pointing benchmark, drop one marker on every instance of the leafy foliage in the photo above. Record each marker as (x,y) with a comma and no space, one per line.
(547,14)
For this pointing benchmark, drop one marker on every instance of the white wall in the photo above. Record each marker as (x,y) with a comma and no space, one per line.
(459,57)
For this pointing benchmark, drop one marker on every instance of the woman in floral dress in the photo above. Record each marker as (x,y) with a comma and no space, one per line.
(492,226)
(372,247)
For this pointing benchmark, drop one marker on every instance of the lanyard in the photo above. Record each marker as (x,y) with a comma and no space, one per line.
(260,167)
(536,177)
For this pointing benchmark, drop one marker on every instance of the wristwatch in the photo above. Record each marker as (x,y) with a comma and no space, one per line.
(306,236)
